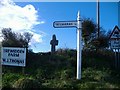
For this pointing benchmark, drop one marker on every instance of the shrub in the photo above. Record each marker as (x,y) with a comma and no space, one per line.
(91,74)
(24,83)
(9,78)
(67,74)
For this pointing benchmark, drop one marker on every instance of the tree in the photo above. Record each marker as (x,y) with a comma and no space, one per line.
(89,29)
(89,33)
(102,41)
(13,39)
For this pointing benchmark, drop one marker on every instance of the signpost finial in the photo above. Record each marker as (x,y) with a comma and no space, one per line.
(78,16)
(79,24)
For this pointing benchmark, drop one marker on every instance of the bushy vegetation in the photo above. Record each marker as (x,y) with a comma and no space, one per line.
(46,70)
(26,83)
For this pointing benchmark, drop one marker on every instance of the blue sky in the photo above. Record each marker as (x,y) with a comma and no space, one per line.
(58,11)
(48,12)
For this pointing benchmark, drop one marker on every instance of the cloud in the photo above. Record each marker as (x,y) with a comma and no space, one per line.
(20,19)
(37,37)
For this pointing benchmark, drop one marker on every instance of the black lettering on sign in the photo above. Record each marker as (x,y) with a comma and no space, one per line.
(13,54)
(13,51)
(3,59)
(13,61)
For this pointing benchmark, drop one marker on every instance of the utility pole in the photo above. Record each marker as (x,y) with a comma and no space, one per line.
(0,75)
(98,17)
(119,14)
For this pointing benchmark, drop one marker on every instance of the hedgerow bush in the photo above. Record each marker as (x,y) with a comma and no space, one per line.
(9,78)
(27,83)
(59,71)
(98,59)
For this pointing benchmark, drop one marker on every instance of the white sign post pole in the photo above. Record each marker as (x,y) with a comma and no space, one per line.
(66,24)
(79,46)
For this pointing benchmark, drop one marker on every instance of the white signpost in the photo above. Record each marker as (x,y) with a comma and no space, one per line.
(78,25)
(115,45)
(13,56)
